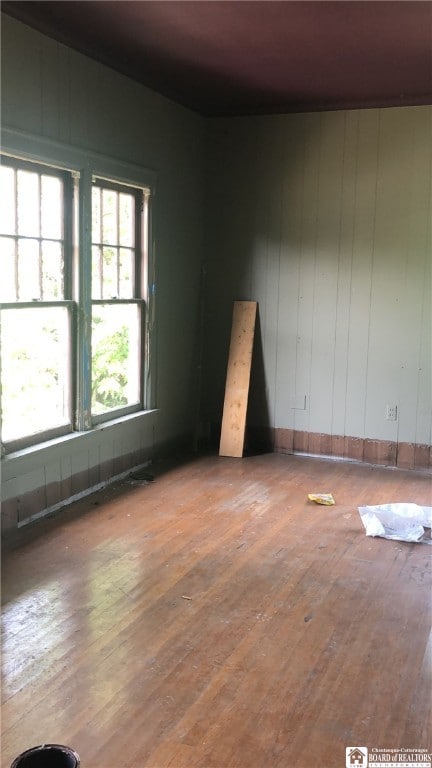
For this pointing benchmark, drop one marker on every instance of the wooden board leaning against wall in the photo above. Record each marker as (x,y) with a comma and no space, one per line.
(238,379)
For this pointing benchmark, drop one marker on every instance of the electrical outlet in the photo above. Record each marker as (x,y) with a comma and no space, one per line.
(298,402)
(391,412)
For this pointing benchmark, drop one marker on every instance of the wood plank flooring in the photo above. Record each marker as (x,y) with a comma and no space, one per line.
(217,619)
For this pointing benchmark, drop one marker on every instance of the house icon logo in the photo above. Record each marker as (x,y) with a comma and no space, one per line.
(356,757)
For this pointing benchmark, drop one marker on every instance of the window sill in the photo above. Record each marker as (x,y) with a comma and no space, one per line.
(69,439)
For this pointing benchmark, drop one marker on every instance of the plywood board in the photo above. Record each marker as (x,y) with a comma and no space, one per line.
(238,378)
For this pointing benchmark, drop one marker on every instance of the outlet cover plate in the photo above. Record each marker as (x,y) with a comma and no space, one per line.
(391,412)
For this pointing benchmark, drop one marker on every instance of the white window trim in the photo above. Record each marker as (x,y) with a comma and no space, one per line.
(87,165)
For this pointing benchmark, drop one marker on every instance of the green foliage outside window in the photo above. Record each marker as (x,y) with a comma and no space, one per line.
(109,366)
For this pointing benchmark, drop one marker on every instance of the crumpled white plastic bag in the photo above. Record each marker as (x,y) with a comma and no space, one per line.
(399,521)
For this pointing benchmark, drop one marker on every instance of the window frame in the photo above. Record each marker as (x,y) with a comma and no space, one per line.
(10,446)
(67,301)
(67,178)
(83,166)
(138,298)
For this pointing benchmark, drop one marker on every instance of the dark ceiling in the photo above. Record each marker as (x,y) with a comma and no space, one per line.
(237,57)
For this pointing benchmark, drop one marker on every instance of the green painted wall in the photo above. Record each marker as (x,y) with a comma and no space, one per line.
(325,220)
(52,92)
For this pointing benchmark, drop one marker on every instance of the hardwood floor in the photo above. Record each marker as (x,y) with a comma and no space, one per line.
(217,619)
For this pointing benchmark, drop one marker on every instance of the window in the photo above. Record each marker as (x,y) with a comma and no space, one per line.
(47,327)
(37,310)
(117,306)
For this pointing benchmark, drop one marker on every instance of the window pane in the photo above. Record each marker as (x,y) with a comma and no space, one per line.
(126,268)
(127,220)
(28,270)
(96,215)
(7,269)
(51,207)
(109,266)
(35,364)
(115,356)
(109,222)
(52,270)
(96,272)
(28,203)
(7,208)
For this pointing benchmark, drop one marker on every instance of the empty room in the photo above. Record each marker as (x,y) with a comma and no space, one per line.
(216,385)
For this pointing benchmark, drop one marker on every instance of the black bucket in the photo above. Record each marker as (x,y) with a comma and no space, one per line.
(47,756)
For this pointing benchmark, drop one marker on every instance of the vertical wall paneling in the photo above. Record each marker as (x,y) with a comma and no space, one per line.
(94,466)
(106,458)
(343,280)
(66,475)
(327,246)
(410,303)
(77,72)
(306,288)
(344,273)
(289,276)
(21,96)
(80,471)
(54,94)
(390,248)
(361,275)
(267,288)
(418,305)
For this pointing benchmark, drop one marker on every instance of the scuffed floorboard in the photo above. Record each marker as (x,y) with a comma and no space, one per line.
(215,618)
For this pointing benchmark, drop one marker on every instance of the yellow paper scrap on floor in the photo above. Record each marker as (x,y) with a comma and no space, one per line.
(321,498)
